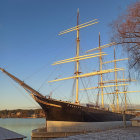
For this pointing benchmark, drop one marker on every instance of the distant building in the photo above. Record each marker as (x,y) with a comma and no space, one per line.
(135,121)
(33,116)
(19,114)
(6,134)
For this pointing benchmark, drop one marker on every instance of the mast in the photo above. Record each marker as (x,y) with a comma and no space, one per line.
(101,76)
(77,62)
(116,82)
(125,95)
(77,58)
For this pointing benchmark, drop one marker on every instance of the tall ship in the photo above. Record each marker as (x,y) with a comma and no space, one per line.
(58,110)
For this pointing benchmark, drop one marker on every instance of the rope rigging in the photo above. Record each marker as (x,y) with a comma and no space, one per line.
(23,94)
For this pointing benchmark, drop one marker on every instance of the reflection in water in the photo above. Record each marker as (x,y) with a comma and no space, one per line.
(22,126)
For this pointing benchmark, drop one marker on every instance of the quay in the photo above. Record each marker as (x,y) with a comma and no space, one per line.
(59,129)
(129,133)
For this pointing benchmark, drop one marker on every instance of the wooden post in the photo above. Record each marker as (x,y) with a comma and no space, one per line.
(124,119)
(46,125)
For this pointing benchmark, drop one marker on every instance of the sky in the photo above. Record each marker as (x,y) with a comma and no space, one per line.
(29,43)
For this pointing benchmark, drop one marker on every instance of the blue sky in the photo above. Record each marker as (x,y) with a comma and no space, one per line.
(29,42)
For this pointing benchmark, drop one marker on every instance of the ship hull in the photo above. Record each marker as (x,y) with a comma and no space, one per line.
(64,111)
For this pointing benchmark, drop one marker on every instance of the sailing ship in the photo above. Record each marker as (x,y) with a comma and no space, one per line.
(57,110)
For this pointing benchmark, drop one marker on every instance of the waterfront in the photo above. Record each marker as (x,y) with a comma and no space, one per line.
(25,126)
(129,133)
(22,126)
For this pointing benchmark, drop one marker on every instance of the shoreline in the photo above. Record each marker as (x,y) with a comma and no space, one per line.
(23,118)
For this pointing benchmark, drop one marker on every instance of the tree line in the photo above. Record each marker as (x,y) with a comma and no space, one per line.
(20,113)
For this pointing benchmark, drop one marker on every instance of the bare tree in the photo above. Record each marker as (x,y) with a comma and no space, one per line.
(126,31)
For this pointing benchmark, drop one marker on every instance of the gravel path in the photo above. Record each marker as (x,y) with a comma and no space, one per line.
(129,133)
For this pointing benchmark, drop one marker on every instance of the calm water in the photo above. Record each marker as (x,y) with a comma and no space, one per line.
(22,126)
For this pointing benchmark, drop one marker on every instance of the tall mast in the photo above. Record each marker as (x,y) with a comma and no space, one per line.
(77,62)
(77,58)
(101,82)
(125,95)
(116,82)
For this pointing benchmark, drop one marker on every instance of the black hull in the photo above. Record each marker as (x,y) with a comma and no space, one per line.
(64,111)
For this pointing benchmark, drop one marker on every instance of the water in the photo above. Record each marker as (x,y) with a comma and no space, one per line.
(22,126)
